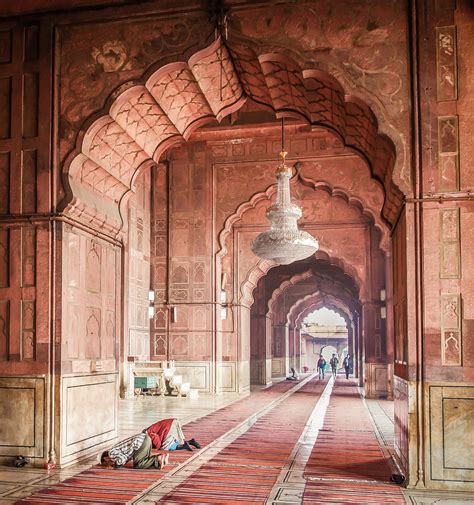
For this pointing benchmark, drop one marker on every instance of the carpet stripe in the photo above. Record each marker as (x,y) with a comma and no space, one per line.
(346,453)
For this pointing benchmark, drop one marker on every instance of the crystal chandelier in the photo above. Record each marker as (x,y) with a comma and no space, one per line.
(284,243)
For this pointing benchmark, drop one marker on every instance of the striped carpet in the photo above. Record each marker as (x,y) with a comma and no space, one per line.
(347,465)
(100,485)
(247,469)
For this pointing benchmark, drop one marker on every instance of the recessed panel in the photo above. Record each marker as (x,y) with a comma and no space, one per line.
(5,107)
(5,46)
(4,182)
(18,423)
(82,402)
(458,416)
(30,105)
(28,180)
(31,35)
(4,258)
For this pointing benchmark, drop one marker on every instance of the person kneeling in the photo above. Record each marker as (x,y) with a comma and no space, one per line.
(136,450)
(293,376)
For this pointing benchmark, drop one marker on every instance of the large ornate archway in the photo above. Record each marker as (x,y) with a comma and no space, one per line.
(146,119)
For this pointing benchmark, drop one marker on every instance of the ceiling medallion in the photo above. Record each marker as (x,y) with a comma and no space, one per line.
(284,243)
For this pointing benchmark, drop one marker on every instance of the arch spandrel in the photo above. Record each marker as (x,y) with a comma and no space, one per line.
(186,93)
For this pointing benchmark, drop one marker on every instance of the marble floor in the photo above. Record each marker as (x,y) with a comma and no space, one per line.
(137,413)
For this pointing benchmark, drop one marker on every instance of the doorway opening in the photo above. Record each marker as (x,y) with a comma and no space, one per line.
(323,332)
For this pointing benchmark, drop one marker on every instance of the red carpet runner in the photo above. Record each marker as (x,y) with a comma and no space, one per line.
(246,470)
(347,453)
(100,485)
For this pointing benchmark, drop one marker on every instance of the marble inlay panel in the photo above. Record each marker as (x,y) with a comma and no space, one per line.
(21,416)
(451,425)
(24,401)
(458,416)
(446,62)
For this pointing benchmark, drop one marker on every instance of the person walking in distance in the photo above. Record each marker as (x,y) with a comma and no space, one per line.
(321,366)
(334,362)
(347,364)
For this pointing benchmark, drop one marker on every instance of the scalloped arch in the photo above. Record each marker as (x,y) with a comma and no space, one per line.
(302,305)
(310,306)
(146,119)
(263,267)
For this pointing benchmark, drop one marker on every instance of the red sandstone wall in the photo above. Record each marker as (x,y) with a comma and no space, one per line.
(138,267)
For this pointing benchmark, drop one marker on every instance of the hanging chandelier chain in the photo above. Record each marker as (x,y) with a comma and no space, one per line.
(283,153)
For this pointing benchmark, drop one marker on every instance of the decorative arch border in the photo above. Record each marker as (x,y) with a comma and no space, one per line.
(146,119)
(318,299)
(262,267)
(330,302)
(293,282)
(296,279)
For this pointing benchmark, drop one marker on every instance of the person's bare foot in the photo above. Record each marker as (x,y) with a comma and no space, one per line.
(163,460)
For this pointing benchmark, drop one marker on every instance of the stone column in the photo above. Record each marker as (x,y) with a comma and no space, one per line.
(280,357)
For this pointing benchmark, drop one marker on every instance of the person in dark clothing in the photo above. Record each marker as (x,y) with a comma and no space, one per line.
(347,363)
(334,362)
(293,376)
(321,366)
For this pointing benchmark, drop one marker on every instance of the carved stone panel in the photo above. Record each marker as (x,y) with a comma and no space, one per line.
(93,324)
(108,347)
(28,328)
(451,341)
(28,250)
(179,345)
(450,247)
(451,348)
(93,266)
(448,153)
(159,345)
(201,346)
(446,62)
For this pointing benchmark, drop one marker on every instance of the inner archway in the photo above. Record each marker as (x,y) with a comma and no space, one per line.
(324,332)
